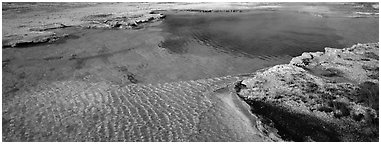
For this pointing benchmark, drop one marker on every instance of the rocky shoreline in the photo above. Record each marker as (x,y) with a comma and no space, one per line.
(320,96)
(27,23)
(288,102)
(46,33)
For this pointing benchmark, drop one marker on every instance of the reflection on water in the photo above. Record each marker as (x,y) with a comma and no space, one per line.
(260,33)
(184,46)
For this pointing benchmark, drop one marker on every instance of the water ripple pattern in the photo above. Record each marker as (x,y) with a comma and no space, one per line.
(76,111)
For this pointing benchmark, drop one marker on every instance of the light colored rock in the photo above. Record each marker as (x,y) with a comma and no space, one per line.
(31,38)
(357,63)
(334,87)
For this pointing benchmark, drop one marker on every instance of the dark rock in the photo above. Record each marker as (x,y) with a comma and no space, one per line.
(358,117)
(324,109)
(52,58)
(48,27)
(371,55)
(332,72)
(369,94)
(211,11)
(132,78)
(96,17)
(238,86)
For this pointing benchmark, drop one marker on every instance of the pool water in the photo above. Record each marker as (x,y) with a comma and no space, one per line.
(265,33)
(184,46)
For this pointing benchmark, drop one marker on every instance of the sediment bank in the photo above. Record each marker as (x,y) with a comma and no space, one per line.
(320,96)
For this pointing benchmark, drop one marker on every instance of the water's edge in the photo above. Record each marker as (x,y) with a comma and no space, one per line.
(256,101)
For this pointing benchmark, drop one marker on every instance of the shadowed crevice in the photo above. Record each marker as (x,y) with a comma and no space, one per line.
(294,126)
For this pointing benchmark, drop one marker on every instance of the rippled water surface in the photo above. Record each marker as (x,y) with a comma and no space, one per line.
(184,46)
(266,33)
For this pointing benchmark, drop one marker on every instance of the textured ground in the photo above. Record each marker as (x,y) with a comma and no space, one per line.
(322,96)
(289,103)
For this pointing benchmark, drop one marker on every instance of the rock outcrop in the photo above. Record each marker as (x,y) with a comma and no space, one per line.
(322,96)
(46,33)
(123,20)
(212,11)
(357,64)
(33,37)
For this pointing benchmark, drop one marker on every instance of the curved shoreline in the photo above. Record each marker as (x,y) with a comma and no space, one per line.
(288,103)
(318,96)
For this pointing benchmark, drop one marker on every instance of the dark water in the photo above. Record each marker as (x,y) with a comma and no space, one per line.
(184,46)
(261,33)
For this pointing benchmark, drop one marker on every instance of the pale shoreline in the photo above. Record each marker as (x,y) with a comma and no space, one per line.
(318,96)
(36,22)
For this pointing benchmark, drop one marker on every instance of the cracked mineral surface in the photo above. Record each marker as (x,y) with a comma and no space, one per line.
(320,96)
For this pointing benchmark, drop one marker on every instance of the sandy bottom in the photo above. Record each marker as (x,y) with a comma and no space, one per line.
(187,46)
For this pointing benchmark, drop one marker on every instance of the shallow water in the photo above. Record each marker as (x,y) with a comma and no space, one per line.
(184,46)
(266,33)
